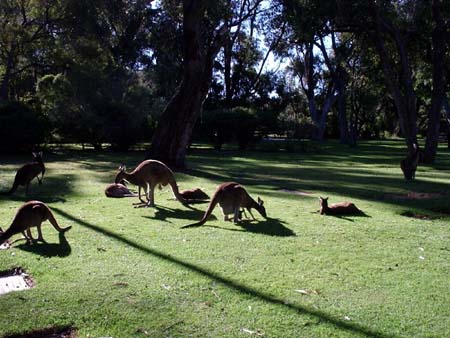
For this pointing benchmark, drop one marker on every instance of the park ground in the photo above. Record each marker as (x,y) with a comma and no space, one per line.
(127,272)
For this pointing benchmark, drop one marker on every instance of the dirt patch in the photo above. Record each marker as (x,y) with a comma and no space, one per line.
(296,192)
(15,279)
(412,195)
(50,332)
(419,216)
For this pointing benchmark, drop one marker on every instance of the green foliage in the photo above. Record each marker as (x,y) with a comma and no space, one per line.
(226,125)
(90,106)
(21,127)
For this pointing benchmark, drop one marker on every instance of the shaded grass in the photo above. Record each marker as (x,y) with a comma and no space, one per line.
(126,272)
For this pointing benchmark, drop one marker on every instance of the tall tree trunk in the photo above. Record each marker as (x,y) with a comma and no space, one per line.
(172,136)
(398,81)
(439,39)
(4,85)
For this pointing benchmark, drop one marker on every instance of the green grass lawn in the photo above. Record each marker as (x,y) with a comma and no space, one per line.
(126,272)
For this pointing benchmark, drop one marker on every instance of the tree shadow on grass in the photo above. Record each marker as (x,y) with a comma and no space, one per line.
(269,226)
(61,249)
(163,213)
(232,284)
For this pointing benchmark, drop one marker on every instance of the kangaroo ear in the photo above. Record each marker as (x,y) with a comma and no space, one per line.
(260,201)
(40,154)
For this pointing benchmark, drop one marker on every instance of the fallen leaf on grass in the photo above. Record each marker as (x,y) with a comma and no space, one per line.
(256,333)
(346,317)
(167,287)
(307,292)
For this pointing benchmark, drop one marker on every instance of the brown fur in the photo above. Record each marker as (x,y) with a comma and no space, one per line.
(341,208)
(118,190)
(31,214)
(28,172)
(196,194)
(231,197)
(147,175)
(409,164)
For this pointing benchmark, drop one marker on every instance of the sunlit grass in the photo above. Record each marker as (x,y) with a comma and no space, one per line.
(127,272)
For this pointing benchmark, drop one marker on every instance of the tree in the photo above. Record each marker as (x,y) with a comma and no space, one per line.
(204,34)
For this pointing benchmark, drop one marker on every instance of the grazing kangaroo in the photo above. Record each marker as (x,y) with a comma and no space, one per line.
(342,208)
(27,172)
(147,175)
(31,214)
(196,194)
(231,197)
(409,164)
(118,190)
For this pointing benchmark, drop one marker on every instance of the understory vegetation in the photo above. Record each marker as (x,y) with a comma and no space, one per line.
(134,272)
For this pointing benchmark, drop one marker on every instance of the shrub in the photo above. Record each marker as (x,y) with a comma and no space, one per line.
(21,127)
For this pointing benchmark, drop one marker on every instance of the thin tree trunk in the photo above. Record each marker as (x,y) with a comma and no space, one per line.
(439,39)
(399,83)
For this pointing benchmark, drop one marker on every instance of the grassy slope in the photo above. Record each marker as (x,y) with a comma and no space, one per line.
(126,272)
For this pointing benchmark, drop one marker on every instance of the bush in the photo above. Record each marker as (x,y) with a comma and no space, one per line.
(225,125)
(21,127)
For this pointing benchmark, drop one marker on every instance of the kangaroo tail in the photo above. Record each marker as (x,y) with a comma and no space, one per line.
(208,212)
(55,224)
(176,192)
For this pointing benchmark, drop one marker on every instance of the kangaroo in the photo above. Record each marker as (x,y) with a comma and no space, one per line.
(27,172)
(196,194)
(342,208)
(31,214)
(147,175)
(409,164)
(118,190)
(231,197)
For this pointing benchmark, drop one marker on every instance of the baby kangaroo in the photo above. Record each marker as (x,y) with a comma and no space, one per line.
(342,208)
(27,172)
(118,190)
(147,175)
(409,164)
(31,214)
(231,197)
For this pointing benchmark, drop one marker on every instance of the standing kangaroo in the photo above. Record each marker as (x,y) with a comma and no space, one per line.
(231,197)
(147,175)
(31,214)
(409,164)
(342,208)
(27,172)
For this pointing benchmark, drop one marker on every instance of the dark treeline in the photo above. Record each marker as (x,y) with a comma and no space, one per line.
(170,72)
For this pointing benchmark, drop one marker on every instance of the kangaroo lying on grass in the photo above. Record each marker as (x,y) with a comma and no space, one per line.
(409,164)
(27,172)
(147,175)
(118,190)
(31,214)
(341,208)
(231,197)
(196,194)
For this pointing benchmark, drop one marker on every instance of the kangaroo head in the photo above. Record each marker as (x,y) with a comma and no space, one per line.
(120,175)
(323,201)
(261,209)
(37,157)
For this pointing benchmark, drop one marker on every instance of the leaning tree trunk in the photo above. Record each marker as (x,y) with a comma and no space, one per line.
(439,40)
(172,136)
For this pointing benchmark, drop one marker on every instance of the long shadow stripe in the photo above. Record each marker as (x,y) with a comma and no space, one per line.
(229,283)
